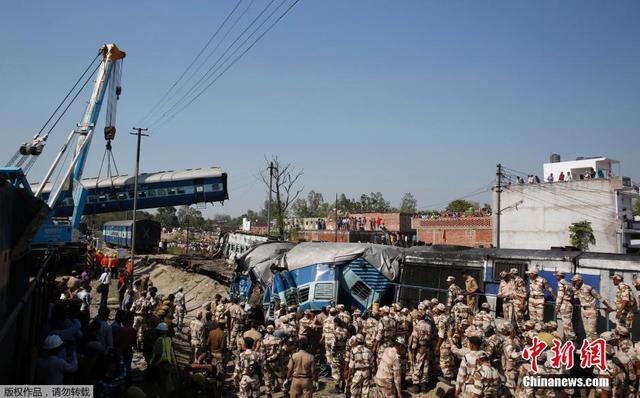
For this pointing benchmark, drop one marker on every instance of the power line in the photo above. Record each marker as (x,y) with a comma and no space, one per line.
(207,74)
(483,189)
(195,59)
(237,58)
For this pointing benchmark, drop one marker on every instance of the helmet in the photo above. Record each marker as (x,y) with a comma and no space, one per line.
(52,342)
(162,327)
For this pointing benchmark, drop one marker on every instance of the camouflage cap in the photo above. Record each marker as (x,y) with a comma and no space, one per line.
(622,331)
(619,276)
(333,310)
(560,273)
(359,338)
(434,301)
(485,306)
(404,311)
(532,271)
(607,336)
(357,312)
(440,307)
(270,328)
(384,309)
(503,274)
(513,271)
(421,307)
(576,277)
(460,297)
(551,324)
(451,278)
(399,340)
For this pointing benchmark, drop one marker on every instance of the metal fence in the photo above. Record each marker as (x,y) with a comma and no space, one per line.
(22,331)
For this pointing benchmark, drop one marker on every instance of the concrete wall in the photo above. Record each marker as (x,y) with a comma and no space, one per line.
(468,231)
(538,216)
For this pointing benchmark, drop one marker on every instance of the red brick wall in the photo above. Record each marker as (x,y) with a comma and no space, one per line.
(470,231)
(394,222)
(323,236)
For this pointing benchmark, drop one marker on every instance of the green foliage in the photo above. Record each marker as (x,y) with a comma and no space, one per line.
(581,235)
(636,208)
(408,203)
(313,206)
(167,217)
(191,218)
(459,206)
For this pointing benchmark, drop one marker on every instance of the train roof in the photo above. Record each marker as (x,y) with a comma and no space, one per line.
(126,223)
(145,178)
(418,254)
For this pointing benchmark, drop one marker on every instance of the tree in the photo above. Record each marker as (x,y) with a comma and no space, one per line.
(581,235)
(166,216)
(374,202)
(459,206)
(636,208)
(188,216)
(283,181)
(408,203)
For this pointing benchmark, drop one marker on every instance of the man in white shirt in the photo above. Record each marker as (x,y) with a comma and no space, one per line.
(105,281)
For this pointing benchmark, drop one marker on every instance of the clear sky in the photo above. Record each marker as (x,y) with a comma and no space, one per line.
(391,96)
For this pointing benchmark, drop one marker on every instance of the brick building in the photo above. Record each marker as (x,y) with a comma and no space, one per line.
(465,231)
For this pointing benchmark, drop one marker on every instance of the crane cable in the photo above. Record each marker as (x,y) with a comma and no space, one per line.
(68,94)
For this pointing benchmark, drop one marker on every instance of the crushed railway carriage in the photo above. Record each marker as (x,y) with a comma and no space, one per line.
(165,188)
(118,234)
(236,243)
(313,275)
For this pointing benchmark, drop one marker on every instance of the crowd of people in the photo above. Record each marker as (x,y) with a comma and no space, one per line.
(568,176)
(378,351)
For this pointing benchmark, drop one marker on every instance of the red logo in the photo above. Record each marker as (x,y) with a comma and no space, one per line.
(591,354)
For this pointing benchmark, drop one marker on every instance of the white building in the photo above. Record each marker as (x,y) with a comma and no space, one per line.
(538,216)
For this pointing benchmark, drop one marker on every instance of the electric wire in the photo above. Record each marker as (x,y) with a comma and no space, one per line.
(235,60)
(207,74)
(157,105)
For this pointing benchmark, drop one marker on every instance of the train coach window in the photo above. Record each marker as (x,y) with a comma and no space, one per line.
(102,198)
(180,190)
(113,196)
(171,191)
(151,193)
(122,196)
(323,291)
(303,294)
(162,192)
(142,194)
(506,266)
(359,289)
(216,187)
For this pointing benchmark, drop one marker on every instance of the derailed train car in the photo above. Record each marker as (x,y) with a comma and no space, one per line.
(314,275)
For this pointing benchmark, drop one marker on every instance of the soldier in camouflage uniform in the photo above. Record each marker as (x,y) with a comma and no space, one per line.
(511,358)
(537,288)
(484,319)
(452,292)
(351,343)
(486,379)
(615,372)
(140,309)
(587,296)
(385,333)
(180,307)
(357,321)
(493,343)
(564,306)
(360,368)
(327,334)
(343,314)
(443,348)
(467,368)
(370,328)
(460,311)
(505,293)
(470,290)
(236,317)
(196,328)
(420,345)
(306,326)
(626,303)
(519,291)
(403,329)
(340,337)
(245,375)
(271,351)
(388,377)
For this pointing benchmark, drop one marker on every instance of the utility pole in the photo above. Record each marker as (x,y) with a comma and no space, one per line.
(271,167)
(336,217)
(140,134)
(498,205)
